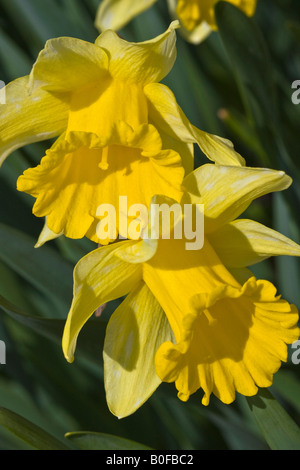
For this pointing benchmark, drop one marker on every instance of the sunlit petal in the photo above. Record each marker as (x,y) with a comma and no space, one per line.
(129,351)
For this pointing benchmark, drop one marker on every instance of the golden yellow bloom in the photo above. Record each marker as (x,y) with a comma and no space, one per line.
(196,16)
(194,12)
(120,132)
(198,318)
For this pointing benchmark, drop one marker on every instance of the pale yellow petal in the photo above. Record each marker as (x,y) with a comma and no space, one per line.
(99,277)
(198,34)
(227,191)
(166,114)
(66,64)
(29,117)
(114,14)
(46,235)
(134,333)
(193,13)
(245,242)
(143,62)
(140,252)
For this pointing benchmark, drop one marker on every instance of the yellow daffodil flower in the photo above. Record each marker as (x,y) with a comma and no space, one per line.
(198,318)
(120,132)
(197,17)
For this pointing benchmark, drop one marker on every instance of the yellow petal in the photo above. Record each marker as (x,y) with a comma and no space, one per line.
(66,64)
(227,191)
(247,6)
(166,114)
(99,277)
(140,252)
(134,333)
(245,242)
(194,12)
(236,344)
(144,62)
(46,235)
(28,118)
(198,34)
(185,149)
(114,14)
(100,105)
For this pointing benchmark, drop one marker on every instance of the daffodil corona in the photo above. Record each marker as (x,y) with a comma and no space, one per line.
(120,132)
(197,318)
(196,16)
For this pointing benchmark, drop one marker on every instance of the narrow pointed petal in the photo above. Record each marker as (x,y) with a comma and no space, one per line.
(28,118)
(114,14)
(66,64)
(245,242)
(166,114)
(143,62)
(197,35)
(99,277)
(134,333)
(226,192)
(46,235)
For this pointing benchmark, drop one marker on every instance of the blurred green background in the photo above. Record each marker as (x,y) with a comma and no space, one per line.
(236,84)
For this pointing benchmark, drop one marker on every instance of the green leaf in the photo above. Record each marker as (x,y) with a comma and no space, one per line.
(14,60)
(90,341)
(286,267)
(287,385)
(250,61)
(277,427)
(102,441)
(38,21)
(51,328)
(43,268)
(254,74)
(27,431)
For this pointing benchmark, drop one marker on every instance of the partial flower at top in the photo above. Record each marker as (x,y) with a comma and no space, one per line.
(197,17)
(198,318)
(120,132)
